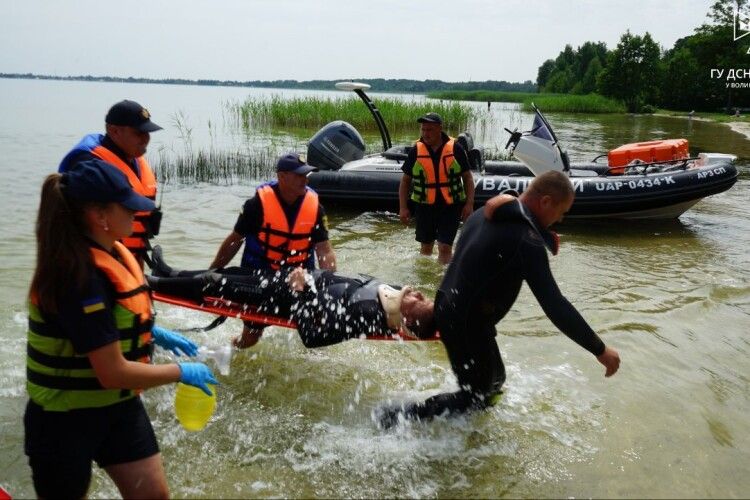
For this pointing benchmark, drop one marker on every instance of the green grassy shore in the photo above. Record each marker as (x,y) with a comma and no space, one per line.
(561,103)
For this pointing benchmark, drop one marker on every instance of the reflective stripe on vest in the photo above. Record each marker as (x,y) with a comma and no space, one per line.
(282,246)
(426,179)
(58,378)
(145,185)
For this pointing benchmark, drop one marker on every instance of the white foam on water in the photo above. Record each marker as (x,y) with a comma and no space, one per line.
(541,424)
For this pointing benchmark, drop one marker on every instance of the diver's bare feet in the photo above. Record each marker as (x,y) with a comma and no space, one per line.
(248,338)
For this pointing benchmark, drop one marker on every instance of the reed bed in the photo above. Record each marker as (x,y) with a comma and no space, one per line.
(299,118)
(311,113)
(216,167)
(228,168)
(559,103)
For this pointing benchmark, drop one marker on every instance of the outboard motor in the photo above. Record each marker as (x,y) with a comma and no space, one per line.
(335,144)
(475,154)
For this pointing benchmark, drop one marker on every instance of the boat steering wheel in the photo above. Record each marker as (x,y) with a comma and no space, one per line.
(514,136)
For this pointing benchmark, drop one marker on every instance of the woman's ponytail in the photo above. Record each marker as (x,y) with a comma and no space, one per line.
(63,260)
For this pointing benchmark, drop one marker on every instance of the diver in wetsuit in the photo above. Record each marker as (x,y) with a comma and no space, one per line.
(502,245)
(327,307)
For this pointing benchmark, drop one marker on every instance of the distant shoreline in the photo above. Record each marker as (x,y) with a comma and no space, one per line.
(731,121)
(377,84)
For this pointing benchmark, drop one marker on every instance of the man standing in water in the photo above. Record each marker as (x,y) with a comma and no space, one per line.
(501,246)
(283,225)
(128,132)
(437,172)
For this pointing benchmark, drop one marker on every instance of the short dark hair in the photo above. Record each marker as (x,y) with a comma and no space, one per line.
(552,183)
(423,325)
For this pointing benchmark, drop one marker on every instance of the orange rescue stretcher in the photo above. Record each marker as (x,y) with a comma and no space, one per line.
(245,312)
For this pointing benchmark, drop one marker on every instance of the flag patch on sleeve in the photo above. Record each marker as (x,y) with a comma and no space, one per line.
(92,304)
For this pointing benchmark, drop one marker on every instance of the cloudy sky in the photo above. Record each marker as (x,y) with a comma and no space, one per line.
(326,39)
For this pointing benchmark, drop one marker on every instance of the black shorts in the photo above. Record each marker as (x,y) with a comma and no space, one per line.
(61,445)
(438,222)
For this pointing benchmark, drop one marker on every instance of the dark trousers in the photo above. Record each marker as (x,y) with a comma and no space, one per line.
(476,361)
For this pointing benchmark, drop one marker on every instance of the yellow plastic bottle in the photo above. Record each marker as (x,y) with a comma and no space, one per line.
(194,407)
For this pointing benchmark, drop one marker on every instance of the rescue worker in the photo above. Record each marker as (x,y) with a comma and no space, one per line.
(327,307)
(437,172)
(90,340)
(128,128)
(502,245)
(283,225)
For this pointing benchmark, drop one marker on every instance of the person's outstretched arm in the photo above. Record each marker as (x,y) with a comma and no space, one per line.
(462,157)
(115,372)
(326,255)
(468,209)
(403,198)
(560,311)
(611,361)
(404,185)
(227,250)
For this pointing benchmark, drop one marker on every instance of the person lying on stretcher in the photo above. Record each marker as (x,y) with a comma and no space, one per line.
(327,307)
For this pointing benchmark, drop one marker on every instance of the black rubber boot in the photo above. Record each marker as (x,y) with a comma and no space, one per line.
(159,267)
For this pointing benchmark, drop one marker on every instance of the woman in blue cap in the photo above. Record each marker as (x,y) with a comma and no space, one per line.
(90,340)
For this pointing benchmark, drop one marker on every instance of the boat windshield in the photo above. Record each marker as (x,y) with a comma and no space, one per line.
(542,129)
(539,129)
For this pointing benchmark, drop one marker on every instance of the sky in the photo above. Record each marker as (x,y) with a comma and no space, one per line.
(465,40)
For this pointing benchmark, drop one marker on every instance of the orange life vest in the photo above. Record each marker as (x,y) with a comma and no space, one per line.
(132,295)
(145,185)
(427,179)
(284,246)
(58,378)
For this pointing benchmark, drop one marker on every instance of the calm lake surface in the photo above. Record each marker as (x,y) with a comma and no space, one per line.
(672,297)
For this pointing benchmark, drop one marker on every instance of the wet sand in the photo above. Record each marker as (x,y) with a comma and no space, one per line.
(741,127)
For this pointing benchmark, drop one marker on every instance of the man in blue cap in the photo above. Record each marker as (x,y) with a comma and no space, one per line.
(437,173)
(128,129)
(283,226)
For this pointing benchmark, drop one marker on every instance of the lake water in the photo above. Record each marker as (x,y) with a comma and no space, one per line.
(672,297)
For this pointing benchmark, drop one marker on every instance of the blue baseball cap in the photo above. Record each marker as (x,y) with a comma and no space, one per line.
(97,180)
(295,163)
(131,114)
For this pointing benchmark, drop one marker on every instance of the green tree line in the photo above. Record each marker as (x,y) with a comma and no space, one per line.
(643,76)
(377,84)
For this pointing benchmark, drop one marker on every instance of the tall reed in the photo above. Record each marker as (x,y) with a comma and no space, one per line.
(311,113)
(217,167)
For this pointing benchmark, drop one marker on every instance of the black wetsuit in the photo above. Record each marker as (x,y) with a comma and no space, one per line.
(492,260)
(336,309)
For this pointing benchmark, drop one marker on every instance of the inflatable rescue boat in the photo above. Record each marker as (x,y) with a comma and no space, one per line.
(647,180)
